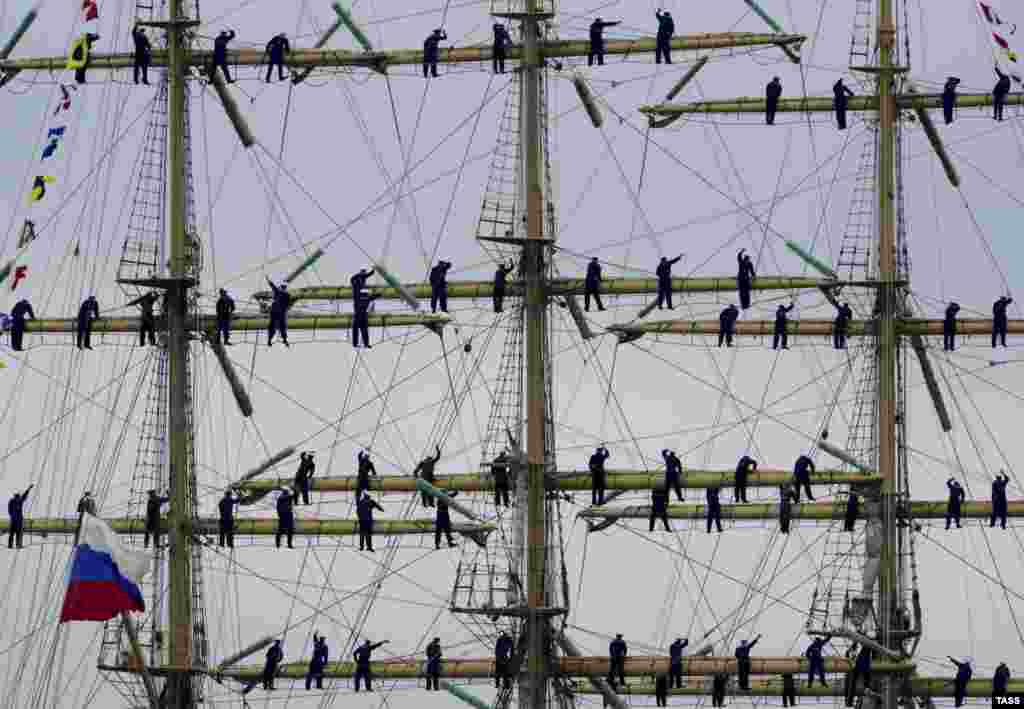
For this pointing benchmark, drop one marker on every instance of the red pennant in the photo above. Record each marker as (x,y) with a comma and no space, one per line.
(20,273)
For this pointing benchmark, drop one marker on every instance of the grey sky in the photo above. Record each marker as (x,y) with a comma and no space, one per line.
(340,158)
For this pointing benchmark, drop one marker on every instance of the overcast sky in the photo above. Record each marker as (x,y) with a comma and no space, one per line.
(332,153)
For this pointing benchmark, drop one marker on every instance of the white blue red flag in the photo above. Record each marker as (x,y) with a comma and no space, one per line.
(105,577)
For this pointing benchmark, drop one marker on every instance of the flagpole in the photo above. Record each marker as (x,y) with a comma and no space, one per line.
(147,679)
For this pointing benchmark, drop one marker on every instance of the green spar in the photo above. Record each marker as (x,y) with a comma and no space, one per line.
(428,489)
(241,395)
(26,22)
(464,695)
(6,270)
(403,292)
(353,27)
(690,73)
(329,32)
(587,99)
(788,51)
(299,76)
(814,263)
(310,260)
(764,15)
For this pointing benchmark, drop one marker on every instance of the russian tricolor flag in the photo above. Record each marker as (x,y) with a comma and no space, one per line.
(105,576)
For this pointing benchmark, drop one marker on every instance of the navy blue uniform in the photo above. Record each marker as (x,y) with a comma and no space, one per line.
(592,285)
(16,511)
(434,665)
(153,505)
(21,310)
(277,47)
(673,473)
(366,468)
(1002,88)
(664,272)
(743,468)
(999,321)
(361,317)
(675,662)
(772,92)
(147,323)
(1000,680)
(227,520)
(727,324)
(999,502)
(617,652)
(852,507)
(743,662)
(318,662)
(431,51)
(598,477)
(663,45)
(358,280)
(364,510)
(220,54)
(949,98)
(225,310)
(597,28)
(714,508)
(499,471)
(425,469)
(279,313)
(143,54)
(500,277)
(285,517)
(953,505)
(802,470)
(443,521)
(781,319)
(786,497)
(362,656)
(840,102)
(503,660)
(745,276)
(498,49)
(949,327)
(788,690)
(439,286)
(274,656)
(815,661)
(841,326)
(307,468)
(861,670)
(659,508)
(89,311)
(963,676)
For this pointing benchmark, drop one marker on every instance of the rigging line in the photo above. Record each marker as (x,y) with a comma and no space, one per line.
(462,166)
(68,411)
(738,402)
(988,247)
(286,218)
(977,449)
(633,194)
(406,155)
(795,190)
(988,430)
(975,568)
(329,424)
(108,153)
(342,229)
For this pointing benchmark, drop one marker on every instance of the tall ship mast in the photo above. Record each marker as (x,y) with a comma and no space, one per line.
(488,423)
